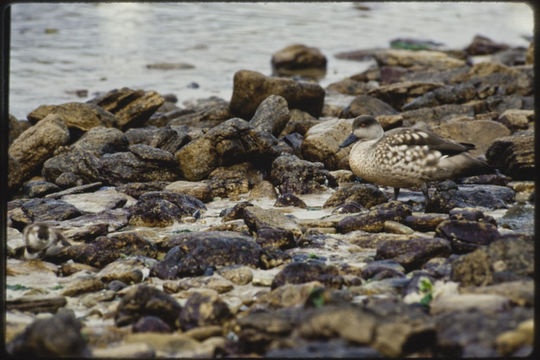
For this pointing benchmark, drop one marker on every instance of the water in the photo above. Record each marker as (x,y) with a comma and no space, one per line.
(58,48)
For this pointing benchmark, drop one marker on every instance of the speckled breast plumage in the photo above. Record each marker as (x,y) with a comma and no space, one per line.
(399,159)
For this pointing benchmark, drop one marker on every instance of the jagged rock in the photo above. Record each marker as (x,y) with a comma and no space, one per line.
(207,112)
(257,218)
(299,122)
(39,188)
(192,254)
(508,258)
(374,220)
(38,143)
(250,88)
(202,310)
(143,163)
(271,115)
(233,180)
(365,194)
(162,208)
(132,108)
(291,174)
(514,155)
(164,138)
(76,115)
(145,300)
(289,199)
(231,142)
(72,168)
(302,272)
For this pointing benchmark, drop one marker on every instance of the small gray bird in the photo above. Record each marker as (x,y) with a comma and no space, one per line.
(407,157)
(42,240)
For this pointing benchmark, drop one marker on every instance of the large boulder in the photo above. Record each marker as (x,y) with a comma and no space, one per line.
(132,108)
(38,143)
(232,141)
(250,88)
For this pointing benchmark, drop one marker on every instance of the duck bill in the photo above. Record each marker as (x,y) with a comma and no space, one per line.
(349,140)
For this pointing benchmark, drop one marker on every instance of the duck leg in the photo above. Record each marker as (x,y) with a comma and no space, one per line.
(424,189)
(396,193)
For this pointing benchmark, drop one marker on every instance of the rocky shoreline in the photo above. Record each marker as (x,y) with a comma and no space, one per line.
(235,228)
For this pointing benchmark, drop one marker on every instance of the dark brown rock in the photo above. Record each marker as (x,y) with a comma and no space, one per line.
(207,112)
(192,254)
(299,59)
(424,222)
(72,168)
(514,155)
(38,143)
(302,272)
(104,250)
(398,94)
(233,180)
(37,304)
(373,221)
(151,324)
(291,174)
(251,88)
(233,141)
(203,310)
(15,175)
(57,336)
(162,208)
(39,188)
(271,115)
(276,238)
(145,300)
(164,138)
(49,209)
(365,194)
(482,45)
(509,258)
(466,236)
(414,253)
(132,108)
(289,199)
(82,116)
(150,165)
(15,129)
(443,95)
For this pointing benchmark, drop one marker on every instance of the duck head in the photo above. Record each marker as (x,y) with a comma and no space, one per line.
(364,127)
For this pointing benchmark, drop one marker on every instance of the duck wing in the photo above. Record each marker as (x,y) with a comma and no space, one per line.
(413,136)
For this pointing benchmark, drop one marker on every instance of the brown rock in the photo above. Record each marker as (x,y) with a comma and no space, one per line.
(132,107)
(514,155)
(82,116)
(481,133)
(398,94)
(321,143)
(39,143)
(297,59)
(250,88)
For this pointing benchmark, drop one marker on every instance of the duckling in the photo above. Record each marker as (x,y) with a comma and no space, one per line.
(41,240)
(407,157)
